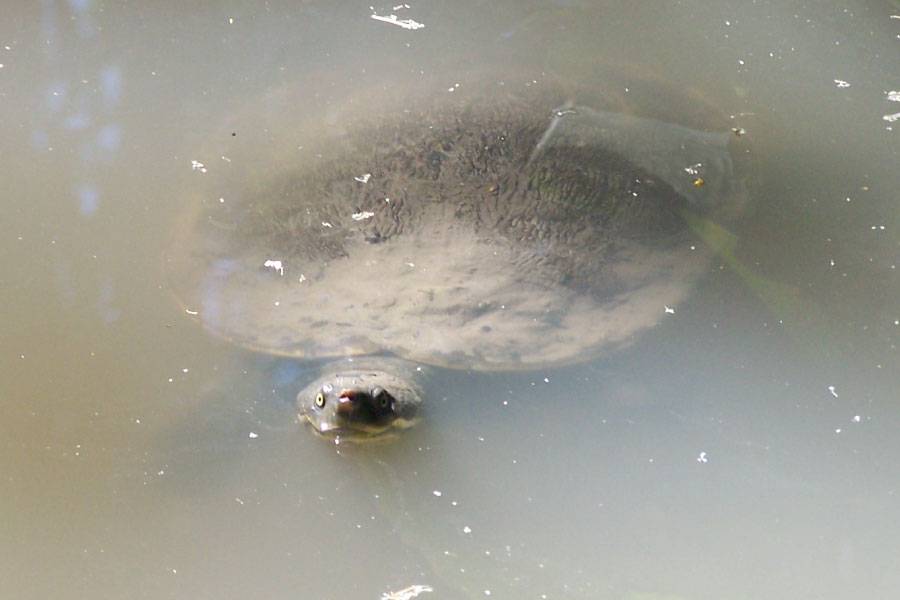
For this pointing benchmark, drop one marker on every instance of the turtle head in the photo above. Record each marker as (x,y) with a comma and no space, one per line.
(359,404)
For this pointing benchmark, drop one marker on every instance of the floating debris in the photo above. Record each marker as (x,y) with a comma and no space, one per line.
(738,131)
(363,178)
(693,169)
(832,390)
(327,224)
(196,165)
(698,182)
(407,593)
(841,83)
(702,458)
(668,309)
(275,265)
(362,215)
(252,435)
(193,313)
(891,118)
(395,20)
(893,96)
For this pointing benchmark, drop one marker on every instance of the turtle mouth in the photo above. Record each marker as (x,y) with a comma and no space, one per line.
(356,435)
(340,430)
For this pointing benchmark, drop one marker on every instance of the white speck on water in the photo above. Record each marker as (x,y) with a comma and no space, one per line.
(669,310)
(225,158)
(411,265)
(891,118)
(138,421)
(487,592)
(196,165)
(171,380)
(841,83)
(893,96)
(326,224)
(877,227)
(185,370)
(857,418)
(467,529)
(407,593)
(277,303)
(832,390)
(693,169)
(546,380)
(275,265)
(239,501)
(437,493)
(302,278)
(702,458)
(252,435)
(362,216)
(231,20)
(454,503)
(453,87)
(221,200)
(193,313)
(363,178)
(838,430)
(395,20)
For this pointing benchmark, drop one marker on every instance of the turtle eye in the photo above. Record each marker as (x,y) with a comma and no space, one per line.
(382,397)
(320,400)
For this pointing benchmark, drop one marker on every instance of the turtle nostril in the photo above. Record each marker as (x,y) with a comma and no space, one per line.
(345,403)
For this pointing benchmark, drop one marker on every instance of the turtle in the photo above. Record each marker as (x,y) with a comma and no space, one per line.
(497,224)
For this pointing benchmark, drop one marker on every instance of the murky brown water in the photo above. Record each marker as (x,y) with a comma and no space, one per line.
(744,448)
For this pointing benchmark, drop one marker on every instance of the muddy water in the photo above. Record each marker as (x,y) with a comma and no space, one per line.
(743,448)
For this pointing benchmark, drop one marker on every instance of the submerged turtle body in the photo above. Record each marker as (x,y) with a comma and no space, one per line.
(514,226)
